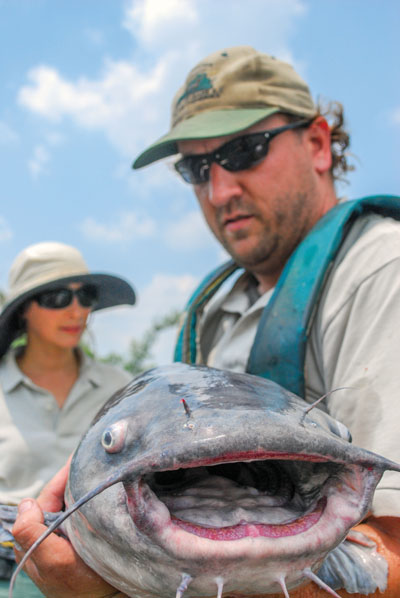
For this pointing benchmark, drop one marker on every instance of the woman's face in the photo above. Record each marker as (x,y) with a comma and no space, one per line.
(62,328)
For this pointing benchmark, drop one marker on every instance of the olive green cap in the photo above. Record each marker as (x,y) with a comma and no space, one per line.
(230,90)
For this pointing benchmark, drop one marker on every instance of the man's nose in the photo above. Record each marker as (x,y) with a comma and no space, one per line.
(222,186)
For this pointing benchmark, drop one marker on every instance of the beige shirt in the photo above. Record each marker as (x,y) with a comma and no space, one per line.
(36,436)
(354,342)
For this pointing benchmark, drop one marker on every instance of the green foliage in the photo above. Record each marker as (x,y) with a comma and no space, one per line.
(139,356)
(20,341)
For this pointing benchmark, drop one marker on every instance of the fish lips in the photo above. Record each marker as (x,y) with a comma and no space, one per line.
(310,530)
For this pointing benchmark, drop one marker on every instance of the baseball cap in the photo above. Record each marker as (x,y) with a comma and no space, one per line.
(227,92)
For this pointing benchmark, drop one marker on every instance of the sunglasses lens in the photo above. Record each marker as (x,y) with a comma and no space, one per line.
(87,295)
(243,152)
(194,169)
(60,298)
(57,299)
(238,154)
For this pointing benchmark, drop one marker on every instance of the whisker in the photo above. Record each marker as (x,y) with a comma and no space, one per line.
(282,583)
(308,573)
(318,401)
(220,585)
(186,579)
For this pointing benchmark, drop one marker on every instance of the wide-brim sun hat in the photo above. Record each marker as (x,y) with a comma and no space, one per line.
(49,265)
(227,92)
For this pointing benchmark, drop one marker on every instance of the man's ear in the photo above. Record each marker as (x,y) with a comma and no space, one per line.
(319,136)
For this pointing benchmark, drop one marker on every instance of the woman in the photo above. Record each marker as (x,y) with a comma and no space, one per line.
(51,389)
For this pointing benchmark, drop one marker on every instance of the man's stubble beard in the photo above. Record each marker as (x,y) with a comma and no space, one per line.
(273,249)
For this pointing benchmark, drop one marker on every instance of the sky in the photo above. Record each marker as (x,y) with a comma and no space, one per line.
(87,85)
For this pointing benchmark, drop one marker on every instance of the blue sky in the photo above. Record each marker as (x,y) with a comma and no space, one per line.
(87,84)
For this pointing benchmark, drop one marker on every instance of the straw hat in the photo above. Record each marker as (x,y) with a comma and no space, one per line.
(48,265)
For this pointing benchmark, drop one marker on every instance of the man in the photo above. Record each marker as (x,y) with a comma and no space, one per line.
(263,161)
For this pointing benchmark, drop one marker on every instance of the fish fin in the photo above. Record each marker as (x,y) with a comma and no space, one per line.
(8,514)
(359,538)
(356,566)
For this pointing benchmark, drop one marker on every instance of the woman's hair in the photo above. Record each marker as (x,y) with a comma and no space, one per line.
(340,138)
(19,324)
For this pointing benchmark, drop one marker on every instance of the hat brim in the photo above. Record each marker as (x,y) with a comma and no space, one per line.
(112,291)
(205,125)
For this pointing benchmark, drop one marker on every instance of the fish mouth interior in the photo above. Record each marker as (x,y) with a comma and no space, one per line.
(269,492)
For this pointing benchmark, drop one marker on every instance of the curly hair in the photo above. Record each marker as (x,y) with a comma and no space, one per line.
(340,138)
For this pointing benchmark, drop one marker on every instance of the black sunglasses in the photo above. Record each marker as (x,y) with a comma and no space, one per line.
(87,296)
(238,154)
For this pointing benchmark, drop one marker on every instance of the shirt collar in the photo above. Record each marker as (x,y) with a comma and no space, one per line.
(11,375)
(88,370)
(240,298)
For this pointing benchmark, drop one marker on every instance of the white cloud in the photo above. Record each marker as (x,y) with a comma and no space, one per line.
(5,231)
(37,164)
(114,329)
(128,226)
(121,103)
(188,232)
(153,21)
(396,116)
(129,102)
(7,135)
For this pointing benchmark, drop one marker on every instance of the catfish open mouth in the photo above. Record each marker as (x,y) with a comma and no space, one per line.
(231,500)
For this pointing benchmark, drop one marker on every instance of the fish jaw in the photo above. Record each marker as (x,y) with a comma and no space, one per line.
(252,554)
(152,544)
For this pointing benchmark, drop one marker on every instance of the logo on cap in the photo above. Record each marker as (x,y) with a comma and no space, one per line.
(198,88)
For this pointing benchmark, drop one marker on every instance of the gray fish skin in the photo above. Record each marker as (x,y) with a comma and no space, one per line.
(318,483)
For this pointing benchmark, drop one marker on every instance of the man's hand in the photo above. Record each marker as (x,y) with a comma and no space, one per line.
(54,566)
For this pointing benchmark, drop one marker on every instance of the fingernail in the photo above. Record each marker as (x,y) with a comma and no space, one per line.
(25,505)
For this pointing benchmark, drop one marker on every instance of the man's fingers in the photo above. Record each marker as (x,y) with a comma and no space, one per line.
(54,566)
(52,496)
(29,523)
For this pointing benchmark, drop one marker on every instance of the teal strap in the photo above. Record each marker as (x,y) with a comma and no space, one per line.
(278,352)
(186,347)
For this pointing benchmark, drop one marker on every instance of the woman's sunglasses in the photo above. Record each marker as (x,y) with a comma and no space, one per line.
(87,296)
(238,154)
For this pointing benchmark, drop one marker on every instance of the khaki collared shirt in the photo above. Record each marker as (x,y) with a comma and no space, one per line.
(354,342)
(36,436)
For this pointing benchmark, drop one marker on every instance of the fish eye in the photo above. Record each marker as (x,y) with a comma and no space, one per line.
(113,438)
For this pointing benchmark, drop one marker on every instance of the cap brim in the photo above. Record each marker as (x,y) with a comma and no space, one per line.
(112,289)
(205,125)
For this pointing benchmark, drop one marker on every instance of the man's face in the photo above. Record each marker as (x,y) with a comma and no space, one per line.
(261,214)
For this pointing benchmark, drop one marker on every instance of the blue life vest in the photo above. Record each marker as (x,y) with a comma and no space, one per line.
(279,347)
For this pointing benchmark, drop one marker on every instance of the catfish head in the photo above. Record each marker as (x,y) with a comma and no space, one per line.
(199,481)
